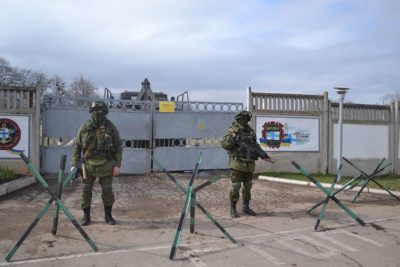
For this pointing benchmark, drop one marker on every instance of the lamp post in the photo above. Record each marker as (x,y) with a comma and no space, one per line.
(341,91)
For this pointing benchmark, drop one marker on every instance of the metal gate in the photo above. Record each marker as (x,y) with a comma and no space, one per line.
(174,138)
(194,126)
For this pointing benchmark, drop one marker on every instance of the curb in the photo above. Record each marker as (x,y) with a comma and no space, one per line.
(17,184)
(326,185)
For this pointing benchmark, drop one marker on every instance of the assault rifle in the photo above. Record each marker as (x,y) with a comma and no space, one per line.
(249,149)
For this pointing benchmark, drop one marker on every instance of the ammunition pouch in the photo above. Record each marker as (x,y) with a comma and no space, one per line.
(105,142)
(96,162)
(100,170)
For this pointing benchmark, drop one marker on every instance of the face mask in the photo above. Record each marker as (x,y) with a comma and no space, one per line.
(242,122)
(98,116)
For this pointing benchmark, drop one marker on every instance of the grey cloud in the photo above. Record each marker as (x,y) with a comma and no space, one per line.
(210,46)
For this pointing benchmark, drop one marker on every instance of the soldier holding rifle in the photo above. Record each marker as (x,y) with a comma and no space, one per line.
(241,144)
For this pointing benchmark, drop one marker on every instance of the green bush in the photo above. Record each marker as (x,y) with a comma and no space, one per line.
(6,174)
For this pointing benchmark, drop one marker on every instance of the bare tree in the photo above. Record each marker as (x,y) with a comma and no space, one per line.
(13,76)
(82,87)
(8,74)
(33,78)
(388,98)
(58,86)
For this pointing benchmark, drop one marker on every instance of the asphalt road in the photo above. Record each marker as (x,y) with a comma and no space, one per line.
(147,209)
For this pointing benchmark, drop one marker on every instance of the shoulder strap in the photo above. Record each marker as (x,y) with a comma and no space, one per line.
(91,144)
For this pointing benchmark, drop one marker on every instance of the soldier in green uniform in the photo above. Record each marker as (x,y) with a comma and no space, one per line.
(242,166)
(98,141)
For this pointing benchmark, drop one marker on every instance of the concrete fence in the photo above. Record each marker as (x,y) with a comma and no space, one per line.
(370,132)
(288,126)
(22,105)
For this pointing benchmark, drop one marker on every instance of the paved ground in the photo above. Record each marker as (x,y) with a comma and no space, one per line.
(147,210)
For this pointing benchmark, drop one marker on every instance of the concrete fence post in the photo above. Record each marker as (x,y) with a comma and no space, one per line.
(394,138)
(251,108)
(325,134)
(35,143)
(249,99)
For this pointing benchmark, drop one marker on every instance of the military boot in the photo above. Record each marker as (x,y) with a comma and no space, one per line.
(107,215)
(246,208)
(234,213)
(86,216)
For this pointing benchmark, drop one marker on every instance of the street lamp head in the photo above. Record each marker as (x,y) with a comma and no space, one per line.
(341,91)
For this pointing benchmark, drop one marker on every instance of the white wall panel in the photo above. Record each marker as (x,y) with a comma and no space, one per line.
(362,141)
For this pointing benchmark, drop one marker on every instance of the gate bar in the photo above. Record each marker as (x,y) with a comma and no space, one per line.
(59,192)
(175,244)
(371,177)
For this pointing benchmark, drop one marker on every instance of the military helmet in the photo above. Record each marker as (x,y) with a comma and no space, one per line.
(243,114)
(98,105)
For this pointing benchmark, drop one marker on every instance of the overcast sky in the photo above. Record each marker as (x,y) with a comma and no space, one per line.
(213,49)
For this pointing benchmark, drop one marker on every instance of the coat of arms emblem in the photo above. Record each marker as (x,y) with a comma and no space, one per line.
(10,134)
(272,134)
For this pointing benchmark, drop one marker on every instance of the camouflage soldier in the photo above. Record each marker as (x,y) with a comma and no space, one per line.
(241,161)
(98,141)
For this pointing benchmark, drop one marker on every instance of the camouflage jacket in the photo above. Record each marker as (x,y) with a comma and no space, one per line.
(238,161)
(101,146)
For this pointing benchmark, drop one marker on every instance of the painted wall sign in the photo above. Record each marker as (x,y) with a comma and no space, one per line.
(288,133)
(14,134)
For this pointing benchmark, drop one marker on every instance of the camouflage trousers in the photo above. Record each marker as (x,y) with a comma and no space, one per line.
(106,191)
(237,178)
